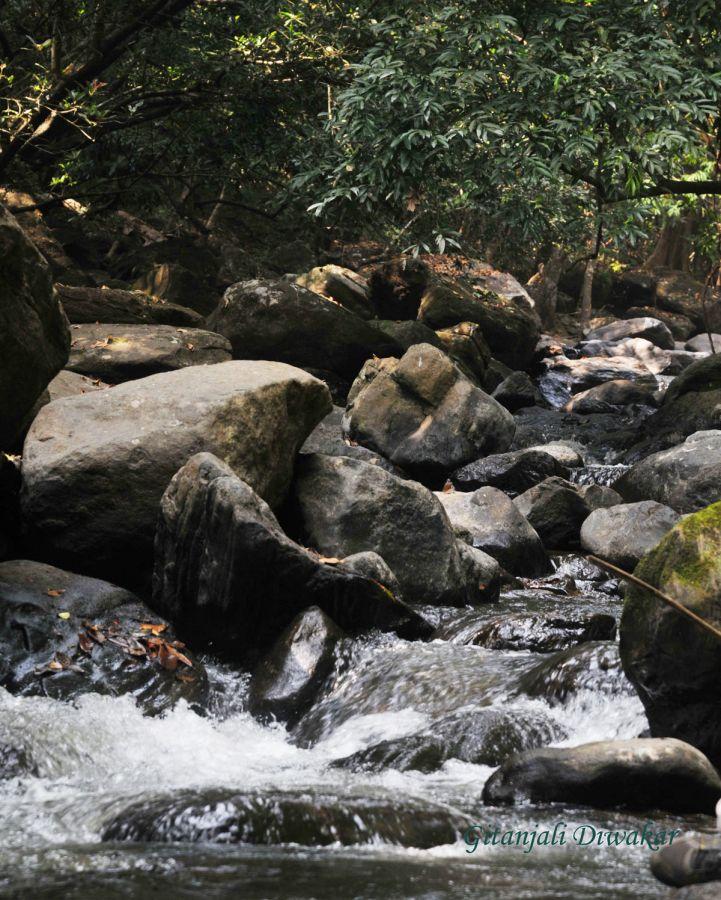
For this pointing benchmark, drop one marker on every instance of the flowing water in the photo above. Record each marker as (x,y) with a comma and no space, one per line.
(96,757)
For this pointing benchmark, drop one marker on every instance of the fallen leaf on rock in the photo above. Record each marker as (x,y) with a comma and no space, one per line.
(185,676)
(329,560)
(85,642)
(55,592)
(153,628)
(448,488)
(63,615)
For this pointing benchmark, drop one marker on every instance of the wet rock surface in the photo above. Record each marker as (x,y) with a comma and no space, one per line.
(512,472)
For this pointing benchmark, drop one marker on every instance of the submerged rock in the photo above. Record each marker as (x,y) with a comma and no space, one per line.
(623,533)
(287,817)
(593,666)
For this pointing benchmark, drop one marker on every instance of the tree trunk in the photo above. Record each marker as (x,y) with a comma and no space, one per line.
(673,247)
(587,293)
(543,286)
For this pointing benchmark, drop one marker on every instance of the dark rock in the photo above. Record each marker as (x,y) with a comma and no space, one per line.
(407,333)
(653,330)
(570,376)
(283,321)
(512,472)
(488,520)
(64,635)
(644,773)
(496,374)
(517,391)
(327,437)
(15,762)
(679,292)
(286,817)
(672,662)
(347,506)
(465,344)
(292,256)
(700,377)
(342,285)
(634,287)
(85,305)
(34,334)
(226,573)
(623,533)
(371,565)
(691,859)
(288,678)
(556,510)
(396,287)
(686,478)
(426,417)
(10,482)
(591,666)
(95,466)
(544,428)
(173,282)
(118,353)
(611,395)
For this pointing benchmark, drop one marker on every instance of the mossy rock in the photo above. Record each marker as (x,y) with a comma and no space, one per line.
(674,664)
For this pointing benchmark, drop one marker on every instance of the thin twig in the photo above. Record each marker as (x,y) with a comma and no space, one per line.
(679,607)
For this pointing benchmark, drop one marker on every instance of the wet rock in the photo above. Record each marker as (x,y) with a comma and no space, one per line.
(396,287)
(592,666)
(644,773)
(286,817)
(622,534)
(690,859)
(528,631)
(15,762)
(427,417)
(347,506)
(407,333)
(686,478)
(556,510)
(342,285)
(226,573)
(576,375)
(118,353)
(702,344)
(681,327)
(543,428)
(672,662)
(175,283)
(516,392)
(34,334)
(63,635)
(288,678)
(611,395)
(465,344)
(567,453)
(371,565)
(651,329)
(512,472)
(92,304)
(285,322)
(327,437)
(482,737)
(488,520)
(95,466)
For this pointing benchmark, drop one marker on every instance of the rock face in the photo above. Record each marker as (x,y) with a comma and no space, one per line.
(347,506)
(118,353)
(95,466)
(283,321)
(227,574)
(342,285)
(651,329)
(556,510)
(63,635)
(34,335)
(622,534)
(672,662)
(287,680)
(686,478)
(644,773)
(92,304)
(512,472)
(426,417)
(488,520)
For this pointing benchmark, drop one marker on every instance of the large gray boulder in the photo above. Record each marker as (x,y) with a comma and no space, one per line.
(643,773)
(623,533)
(686,477)
(426,417)
(118,353)
(488,520)
(347,506)
(652,330)
(226,573)
(672,662)
(95,466)
(283,321)
(34,334)
(556,510)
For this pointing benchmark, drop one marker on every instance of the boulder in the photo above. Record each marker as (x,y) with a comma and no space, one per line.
(396,287)
(565,452)
(564,377)
(673,663)
(642,773)
(496,373)
(288,678)
(171,281)
(407,333)
(516,392)
(634,287)
(342,285)
(465,344)
(623,533)
(599,496)
(95,466)
(701,377)
(681,327)
(63,635)
(556,510)
(653,330)
(691,859)
(327,437)
(510,326)
(679,292)
(86,305)
(426,417)
(512,472)
(686,477)
(34,334)
(347,506)
(703,344)
(270,817)
(488,520)
(118,353)
(226,573)
(656,360)
(371,565)
(611,395)
(283,321)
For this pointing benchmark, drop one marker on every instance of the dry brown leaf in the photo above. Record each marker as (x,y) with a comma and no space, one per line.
(55,592)
(329,560)
(85,642)
(153,628)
